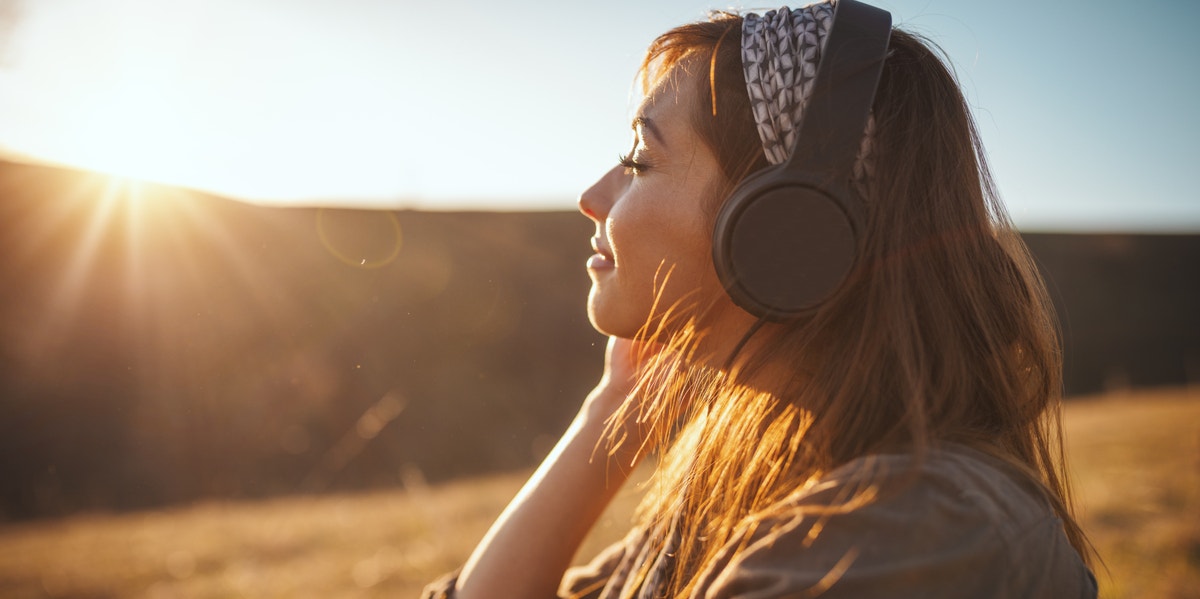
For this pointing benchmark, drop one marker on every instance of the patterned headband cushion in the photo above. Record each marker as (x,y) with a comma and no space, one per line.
(781,50)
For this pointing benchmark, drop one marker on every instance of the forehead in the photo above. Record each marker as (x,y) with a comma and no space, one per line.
(673,94)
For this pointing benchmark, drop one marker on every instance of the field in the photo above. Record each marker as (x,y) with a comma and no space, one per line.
(1136,467)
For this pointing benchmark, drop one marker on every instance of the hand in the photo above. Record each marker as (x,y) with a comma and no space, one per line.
(624,361)
(621,363)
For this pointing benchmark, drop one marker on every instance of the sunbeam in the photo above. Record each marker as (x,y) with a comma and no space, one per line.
(154,260)
(62,305)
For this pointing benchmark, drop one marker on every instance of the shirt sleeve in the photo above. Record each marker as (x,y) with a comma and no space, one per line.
(936,538)
(442,588)
(588,582)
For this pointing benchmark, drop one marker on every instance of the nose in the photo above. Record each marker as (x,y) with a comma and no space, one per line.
(598,199)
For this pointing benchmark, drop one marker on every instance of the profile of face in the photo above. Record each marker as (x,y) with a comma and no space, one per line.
(653,235)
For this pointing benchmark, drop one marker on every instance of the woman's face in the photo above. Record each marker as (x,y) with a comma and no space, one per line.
(653,236)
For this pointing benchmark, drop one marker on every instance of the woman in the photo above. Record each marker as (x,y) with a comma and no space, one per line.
(899,437)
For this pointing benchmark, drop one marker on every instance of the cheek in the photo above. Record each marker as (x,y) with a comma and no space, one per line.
(627,228)
(663,243)
(643,236)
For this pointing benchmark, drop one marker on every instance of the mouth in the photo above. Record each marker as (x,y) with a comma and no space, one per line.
(602,259)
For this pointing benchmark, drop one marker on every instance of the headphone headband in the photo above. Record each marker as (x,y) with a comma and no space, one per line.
(786,238)
(837,111)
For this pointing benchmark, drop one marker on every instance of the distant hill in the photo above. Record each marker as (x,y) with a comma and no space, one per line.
(184,345)
(1129,306)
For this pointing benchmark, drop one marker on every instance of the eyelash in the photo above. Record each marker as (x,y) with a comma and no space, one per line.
(632,165)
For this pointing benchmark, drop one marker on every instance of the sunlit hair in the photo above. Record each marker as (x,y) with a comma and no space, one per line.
(943,333)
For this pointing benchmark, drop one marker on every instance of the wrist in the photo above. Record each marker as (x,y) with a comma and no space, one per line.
(605,399)
(618,435)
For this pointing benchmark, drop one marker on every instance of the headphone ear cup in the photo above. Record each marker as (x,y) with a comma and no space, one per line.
(782,248)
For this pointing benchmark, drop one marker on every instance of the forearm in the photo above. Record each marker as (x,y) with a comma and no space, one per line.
(531,544)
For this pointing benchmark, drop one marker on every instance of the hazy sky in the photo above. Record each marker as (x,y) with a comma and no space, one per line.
(1087,108)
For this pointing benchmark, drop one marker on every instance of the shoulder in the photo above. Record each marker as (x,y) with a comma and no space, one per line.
(957,523)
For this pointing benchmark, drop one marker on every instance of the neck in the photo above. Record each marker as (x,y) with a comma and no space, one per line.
(733,339)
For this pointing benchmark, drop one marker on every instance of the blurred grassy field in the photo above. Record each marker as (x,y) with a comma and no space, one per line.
(1136,467)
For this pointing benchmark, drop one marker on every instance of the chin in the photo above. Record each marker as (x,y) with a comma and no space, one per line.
(609,319)
(611,327)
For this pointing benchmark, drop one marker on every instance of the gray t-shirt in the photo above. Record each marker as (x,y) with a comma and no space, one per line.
(962,524)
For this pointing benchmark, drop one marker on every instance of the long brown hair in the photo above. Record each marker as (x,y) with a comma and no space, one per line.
(943,332)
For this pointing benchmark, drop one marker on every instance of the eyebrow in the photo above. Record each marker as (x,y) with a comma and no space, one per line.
(649,125)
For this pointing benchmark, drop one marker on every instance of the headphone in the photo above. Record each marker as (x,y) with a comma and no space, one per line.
(786,238)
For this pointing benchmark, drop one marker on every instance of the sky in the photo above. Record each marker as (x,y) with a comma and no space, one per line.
(1087,109)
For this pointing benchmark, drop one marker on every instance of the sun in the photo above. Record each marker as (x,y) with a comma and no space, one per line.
(135,134)
(145,126)
(146,123)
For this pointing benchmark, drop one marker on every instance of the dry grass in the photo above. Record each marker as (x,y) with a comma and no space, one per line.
(1136,465)
(1136,469)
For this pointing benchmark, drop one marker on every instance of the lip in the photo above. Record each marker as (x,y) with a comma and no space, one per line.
(602,259)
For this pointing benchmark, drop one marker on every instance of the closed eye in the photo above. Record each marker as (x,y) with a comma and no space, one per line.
(632,166)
